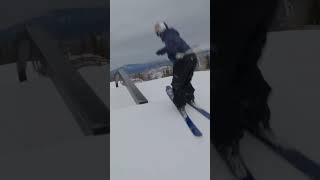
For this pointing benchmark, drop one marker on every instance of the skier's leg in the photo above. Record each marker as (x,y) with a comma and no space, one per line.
(226,127)
(234,24)
(178,83)
(189,89)
(255,104)
(234,27)
(230,37)
(255,89)
(182,75)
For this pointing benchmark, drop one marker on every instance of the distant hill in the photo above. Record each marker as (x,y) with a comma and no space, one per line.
(136,68)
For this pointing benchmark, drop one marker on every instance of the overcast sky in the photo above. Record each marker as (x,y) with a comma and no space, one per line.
(132,36)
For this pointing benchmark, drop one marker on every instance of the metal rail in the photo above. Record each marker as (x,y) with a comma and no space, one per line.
(87,108)
(135,93)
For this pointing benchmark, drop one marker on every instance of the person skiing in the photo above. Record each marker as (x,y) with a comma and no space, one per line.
(240,93)
(184,63)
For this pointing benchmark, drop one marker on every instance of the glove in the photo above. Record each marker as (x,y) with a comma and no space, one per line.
(179,55)
(160,52)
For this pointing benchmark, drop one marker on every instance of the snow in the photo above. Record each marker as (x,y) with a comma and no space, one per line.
(291,65)
(148,140)
(152,141)
(39,137)
(41,140)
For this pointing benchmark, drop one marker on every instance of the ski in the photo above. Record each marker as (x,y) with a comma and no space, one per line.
(246,176)
(200,110)
(196,107)
(293,156)
(236,165)
(195,131)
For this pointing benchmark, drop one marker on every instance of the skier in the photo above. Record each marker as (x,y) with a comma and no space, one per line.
(184,63)
(239,92)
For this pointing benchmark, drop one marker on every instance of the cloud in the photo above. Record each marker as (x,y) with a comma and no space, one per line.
(132,25)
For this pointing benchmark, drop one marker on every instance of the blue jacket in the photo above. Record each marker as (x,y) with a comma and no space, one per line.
(173,44)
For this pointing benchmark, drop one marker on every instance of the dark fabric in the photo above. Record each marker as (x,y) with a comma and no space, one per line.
(239,91)
(181,82)
(173,44)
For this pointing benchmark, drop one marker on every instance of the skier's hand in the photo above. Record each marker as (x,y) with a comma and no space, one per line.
(160,52)
(179,56)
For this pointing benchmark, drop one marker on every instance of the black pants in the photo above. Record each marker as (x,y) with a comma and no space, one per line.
(181,82)
(239,91)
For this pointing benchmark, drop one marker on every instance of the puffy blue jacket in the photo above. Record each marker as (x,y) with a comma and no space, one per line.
(173,44)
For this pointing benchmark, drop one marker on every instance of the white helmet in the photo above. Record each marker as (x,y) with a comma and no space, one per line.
(160,27)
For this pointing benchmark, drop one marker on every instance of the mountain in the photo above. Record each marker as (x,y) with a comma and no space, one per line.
(146,68)
(136,68)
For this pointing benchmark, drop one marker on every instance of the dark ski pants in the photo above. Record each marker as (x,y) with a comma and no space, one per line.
(239,91)
(181,82)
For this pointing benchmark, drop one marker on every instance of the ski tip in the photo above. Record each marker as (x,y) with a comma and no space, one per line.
(202,111)
(248,178)
(207,115)
(249,175)
(196,132)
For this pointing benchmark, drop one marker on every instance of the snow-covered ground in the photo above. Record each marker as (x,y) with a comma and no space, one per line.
(152,141)
(39,137)
(291,65)
(41,140)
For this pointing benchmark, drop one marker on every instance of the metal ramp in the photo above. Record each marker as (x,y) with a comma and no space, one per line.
(88,109)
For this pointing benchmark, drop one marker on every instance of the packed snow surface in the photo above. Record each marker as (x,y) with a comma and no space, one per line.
(152,141)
